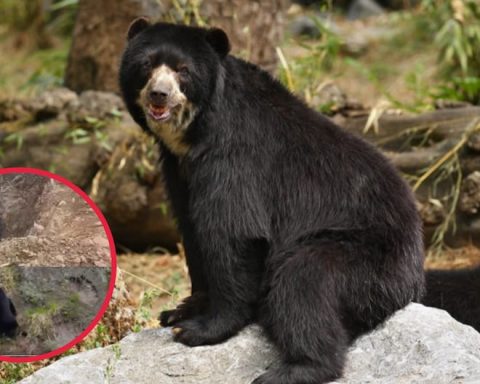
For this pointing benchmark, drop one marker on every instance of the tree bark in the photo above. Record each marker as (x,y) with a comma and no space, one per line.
(99,38)
(255,29)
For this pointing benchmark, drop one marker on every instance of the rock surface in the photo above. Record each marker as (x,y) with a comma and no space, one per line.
(361,9)
(470,194)
(417,345)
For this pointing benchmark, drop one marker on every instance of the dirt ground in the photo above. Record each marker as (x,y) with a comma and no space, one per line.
(465,257)
(54,305)
(163,277)
(45,223)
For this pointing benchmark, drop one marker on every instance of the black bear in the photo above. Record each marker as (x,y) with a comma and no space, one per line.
(286,218)
(458,292)
(8,313)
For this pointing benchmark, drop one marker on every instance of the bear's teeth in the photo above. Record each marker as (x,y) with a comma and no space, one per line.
(159,113)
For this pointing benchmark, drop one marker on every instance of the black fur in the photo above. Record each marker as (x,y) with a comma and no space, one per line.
(286,218)
(8,313)
(136,27)
(458,292)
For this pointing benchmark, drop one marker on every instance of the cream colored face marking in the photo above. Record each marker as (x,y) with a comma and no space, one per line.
(170,130)
(165,79)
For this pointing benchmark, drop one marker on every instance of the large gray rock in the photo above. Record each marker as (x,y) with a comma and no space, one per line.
(361,9)
(417,345)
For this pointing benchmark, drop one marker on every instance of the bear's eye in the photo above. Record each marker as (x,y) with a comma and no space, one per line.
(146,63)
(183,71)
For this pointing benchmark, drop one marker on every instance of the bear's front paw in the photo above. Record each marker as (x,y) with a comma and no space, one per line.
(271,377)
(188,308)
(192,333)
(204,330)
(260,380)
(268,378)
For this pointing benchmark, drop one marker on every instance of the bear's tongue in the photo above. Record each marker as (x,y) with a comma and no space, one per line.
(159,112)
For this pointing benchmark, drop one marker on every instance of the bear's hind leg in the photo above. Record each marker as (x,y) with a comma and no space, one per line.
(301,314)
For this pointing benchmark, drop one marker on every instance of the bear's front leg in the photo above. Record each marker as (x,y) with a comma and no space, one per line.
(230,226)
(232,295)
(197,303)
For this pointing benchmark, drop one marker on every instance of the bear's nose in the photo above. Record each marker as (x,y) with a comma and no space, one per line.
(158,97)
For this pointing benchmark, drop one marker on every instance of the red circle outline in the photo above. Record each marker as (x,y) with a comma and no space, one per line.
(113,273)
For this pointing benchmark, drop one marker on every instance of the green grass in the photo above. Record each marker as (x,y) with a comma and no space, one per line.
(40,320)
(10,373)
(429,53)
(396,67)
(24,73)
(37,19)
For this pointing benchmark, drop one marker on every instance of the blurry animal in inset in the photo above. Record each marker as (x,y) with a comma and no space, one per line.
(8,315)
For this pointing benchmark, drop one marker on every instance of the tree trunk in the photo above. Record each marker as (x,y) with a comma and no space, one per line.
(255,29)
(98,40)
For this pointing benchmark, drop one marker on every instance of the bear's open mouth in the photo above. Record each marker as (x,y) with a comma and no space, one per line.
(159,113)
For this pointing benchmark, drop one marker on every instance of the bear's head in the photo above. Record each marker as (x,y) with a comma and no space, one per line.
(168,74)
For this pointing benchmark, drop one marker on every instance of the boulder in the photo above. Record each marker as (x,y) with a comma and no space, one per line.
(361,9)
(417,345)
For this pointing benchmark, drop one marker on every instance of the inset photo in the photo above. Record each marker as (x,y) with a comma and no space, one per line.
(56,259)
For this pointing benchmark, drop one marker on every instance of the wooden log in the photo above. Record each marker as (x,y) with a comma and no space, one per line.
(106,155)
(421,158)
(117,164)
(394,128)
(439,131)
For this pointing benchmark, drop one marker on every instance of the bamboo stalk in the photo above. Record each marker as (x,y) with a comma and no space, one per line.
(148,282)
(286,68)
(473,127)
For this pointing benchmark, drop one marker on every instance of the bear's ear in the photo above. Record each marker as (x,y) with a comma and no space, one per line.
(218,39)
(137,25)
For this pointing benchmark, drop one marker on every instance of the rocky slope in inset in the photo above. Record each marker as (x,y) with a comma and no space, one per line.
(45,223)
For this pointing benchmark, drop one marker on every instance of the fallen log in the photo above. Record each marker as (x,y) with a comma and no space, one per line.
(423,146)
(91,140)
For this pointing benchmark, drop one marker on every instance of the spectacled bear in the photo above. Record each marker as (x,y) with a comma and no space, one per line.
(458,292)
(286,218)
(8,313)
